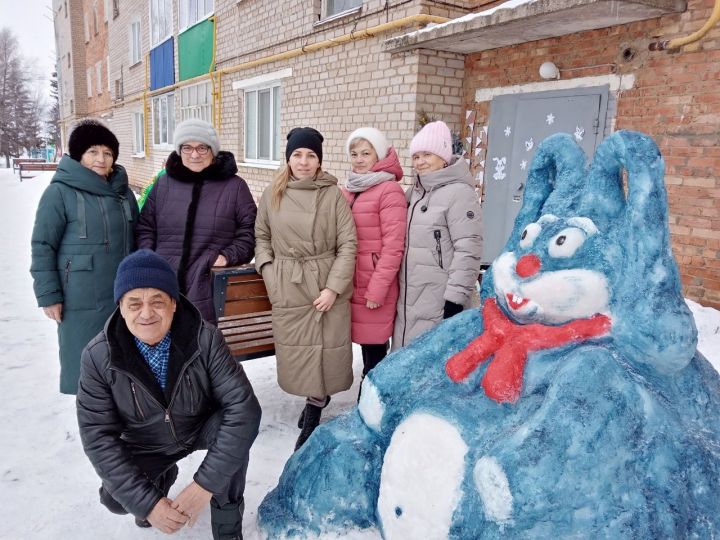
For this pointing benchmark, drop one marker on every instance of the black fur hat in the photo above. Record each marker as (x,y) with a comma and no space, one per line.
(91,132)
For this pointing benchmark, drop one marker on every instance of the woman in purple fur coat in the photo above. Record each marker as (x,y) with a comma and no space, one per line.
(199,214)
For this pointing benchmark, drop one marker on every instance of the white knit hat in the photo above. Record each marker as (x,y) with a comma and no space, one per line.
(374,136)
(194,129)
(434,138)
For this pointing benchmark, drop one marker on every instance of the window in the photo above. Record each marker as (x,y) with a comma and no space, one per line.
(196,102)
(69,60)
(116,8)
(160,20)
(119,88)
(135,50)
(106,10)
(262,123)
(65,10)
(107,60)
(98,74)
(333,7)
(86,26)
(192,11)
(95,19)
(163,119)
(89,81)
(138,126)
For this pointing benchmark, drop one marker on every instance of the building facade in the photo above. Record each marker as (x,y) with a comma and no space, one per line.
(257,69)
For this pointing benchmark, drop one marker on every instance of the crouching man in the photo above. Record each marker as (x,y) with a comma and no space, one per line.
(155,385)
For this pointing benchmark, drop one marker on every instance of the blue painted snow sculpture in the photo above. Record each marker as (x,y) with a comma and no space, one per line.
(599,419)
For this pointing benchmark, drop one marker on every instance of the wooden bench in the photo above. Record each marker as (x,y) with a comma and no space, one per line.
(45,166)
(243,311)
(19,161)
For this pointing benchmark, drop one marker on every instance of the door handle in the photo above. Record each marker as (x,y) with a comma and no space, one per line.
(521,186)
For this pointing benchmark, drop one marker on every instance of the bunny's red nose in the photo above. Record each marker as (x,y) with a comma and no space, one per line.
(527,266)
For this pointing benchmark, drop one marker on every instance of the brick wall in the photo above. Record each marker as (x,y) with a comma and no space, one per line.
(96,52)
(675,99)
(338,89)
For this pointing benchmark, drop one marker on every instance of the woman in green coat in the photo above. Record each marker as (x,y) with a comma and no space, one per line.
(83,229)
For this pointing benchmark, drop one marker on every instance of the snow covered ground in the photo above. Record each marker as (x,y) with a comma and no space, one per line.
(48,489)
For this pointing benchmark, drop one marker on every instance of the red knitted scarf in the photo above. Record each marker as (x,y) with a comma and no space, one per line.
(511,343)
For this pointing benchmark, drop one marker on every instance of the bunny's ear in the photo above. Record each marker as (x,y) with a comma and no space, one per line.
(651,319)
(553,182)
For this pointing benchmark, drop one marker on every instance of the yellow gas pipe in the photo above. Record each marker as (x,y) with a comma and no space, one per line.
(695,36)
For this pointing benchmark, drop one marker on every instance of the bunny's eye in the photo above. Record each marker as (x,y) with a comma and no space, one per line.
(529,235)
(566,242)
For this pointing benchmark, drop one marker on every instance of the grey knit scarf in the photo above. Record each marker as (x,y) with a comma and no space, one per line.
(357,183)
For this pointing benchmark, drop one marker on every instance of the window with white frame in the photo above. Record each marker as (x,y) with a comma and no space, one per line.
(135,43)
(106,10)
(107,63)
(196,102)
(160,20)
(89,81)
(333,7)
(86,26)
(163,119)
(192,11)
(138,126)
(98,74)
(262,123)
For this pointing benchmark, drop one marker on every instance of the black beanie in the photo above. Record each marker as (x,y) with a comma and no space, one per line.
(91,132)
(304,137)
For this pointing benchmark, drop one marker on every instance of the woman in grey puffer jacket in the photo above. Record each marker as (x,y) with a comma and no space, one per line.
(444,237)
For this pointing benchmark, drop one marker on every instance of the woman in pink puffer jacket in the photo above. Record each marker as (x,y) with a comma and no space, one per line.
(379,209)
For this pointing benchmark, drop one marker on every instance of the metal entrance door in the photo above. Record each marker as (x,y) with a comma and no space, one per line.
(518,124)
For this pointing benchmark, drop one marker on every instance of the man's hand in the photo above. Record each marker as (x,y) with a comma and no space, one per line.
(191,501)
(166,518)
(53,312)
(326,300)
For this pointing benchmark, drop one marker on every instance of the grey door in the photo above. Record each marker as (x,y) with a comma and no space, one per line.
(518,124)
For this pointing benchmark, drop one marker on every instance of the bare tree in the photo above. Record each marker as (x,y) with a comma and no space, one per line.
(20,105)
(53,117)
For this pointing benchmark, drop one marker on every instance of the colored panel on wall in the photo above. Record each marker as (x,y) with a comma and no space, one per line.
(195,47)
(162,65)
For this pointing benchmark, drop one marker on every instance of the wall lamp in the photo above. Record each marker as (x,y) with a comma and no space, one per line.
(548,70)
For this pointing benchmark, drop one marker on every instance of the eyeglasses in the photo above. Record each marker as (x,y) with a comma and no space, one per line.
(200,149)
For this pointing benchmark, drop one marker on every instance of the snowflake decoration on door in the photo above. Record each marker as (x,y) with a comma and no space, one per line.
(550,119)
(523,165)
(508,131)
(579,133)
(500,168)
(529,144)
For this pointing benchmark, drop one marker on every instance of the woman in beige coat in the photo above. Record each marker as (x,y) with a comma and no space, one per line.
(305,251)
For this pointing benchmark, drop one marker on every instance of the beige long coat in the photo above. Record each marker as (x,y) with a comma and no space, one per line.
(305,246)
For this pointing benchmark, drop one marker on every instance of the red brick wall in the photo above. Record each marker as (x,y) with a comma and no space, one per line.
(675,99)
(96,50)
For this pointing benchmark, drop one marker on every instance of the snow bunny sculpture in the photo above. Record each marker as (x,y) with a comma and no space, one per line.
(572,404)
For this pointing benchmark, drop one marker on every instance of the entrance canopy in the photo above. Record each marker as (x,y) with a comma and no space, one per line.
(520,21)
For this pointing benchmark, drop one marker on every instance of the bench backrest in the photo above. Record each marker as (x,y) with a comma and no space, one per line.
(243,310)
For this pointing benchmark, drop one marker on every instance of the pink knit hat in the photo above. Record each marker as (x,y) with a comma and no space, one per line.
(434,138)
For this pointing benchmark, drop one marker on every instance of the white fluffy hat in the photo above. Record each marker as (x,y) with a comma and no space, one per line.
(374,136)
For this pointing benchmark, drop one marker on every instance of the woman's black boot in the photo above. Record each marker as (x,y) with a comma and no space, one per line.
(311,420)
(301,420)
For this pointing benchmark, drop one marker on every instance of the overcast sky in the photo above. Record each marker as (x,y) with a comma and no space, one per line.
(31,22)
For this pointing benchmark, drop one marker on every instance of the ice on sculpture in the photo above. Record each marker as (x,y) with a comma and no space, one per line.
(573,403)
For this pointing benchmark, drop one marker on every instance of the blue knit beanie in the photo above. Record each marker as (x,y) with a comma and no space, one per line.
(145,269)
